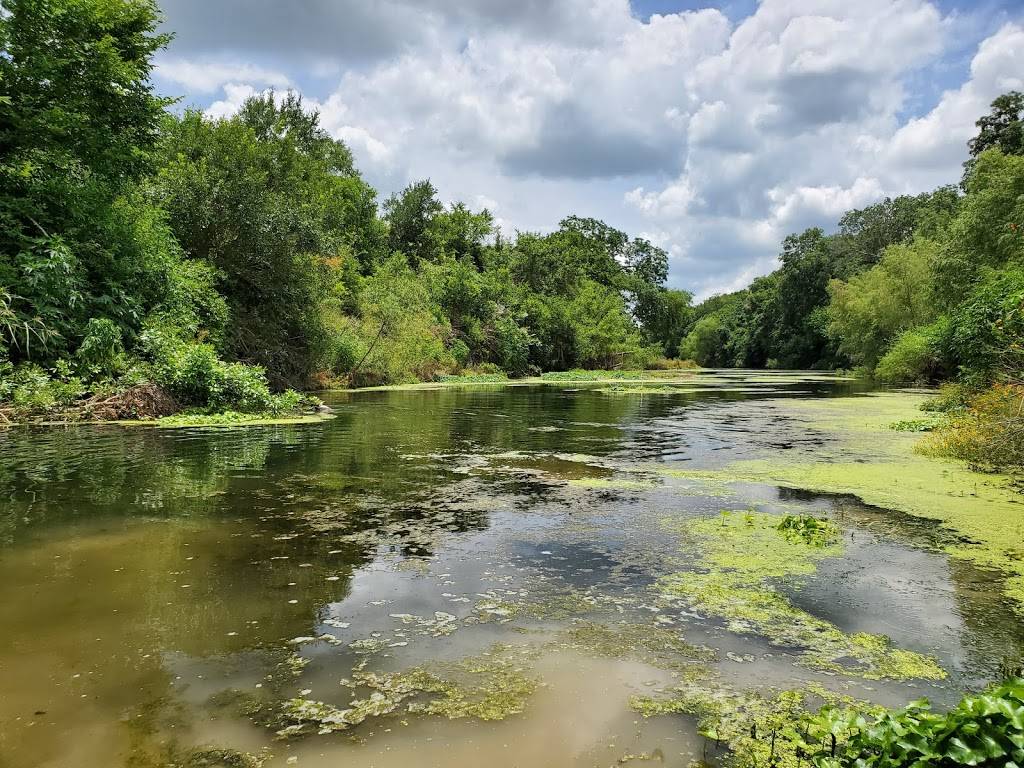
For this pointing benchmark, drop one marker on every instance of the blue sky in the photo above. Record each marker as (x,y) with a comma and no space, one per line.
(713,129)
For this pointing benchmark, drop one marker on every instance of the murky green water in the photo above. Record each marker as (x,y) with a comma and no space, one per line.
(482,571)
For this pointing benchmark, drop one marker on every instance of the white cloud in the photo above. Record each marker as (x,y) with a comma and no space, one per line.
(716,138)
(936,141)
(235,95)
(211,76)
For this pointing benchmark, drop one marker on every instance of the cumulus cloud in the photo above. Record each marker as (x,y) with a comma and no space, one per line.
(203,76)
(717,137)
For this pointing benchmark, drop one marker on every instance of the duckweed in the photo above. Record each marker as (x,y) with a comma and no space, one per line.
(882,467)
(745,558)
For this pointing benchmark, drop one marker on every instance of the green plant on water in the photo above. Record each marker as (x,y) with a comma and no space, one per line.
(985,729)
(744,562)
(816,531)
(472,378)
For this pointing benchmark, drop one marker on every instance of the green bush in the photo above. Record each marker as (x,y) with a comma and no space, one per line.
(988,433)
(196,376)
(988,335)
(33,390)
(101,351)
(985,730)
(916,356)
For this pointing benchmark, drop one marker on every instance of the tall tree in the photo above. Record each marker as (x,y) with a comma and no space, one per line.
(78,123)
(271,201)
(409,215)
(1002,128)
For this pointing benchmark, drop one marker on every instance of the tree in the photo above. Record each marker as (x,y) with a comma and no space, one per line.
(461,234)
(872,309)
(606,336)
(271,201)
(78,124)
(1002,128)
(988,230)
(664,316)
(409,216)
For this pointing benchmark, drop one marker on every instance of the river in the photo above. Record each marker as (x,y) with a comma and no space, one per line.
(554,574)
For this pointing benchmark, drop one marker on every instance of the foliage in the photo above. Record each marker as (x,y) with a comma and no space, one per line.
(78,123)
(185,248)
(817,532)
(101,351)
(988,433)
(1002,128)
(273,203)
(987,338)
(985,729)
(868,313)
(403,338)
(915,356)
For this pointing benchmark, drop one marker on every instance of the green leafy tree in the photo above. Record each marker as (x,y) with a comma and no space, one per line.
(873,308)
(409,216)
(1002,128)
(273,204)
(78,123)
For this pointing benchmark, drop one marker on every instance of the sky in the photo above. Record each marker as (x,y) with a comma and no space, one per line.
(711,129)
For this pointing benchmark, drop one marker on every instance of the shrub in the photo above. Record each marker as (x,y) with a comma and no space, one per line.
(951,397)
(101,351)
(985,730)
(916,356)
(988,434)
(196,376)
(988,335)
(32,389)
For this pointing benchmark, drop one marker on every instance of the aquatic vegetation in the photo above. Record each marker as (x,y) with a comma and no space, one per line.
(658,646)
(639,389)
(584,375)
(221,758)
(229,419)
(758,729)
(473,378)
(982,515)
(491,686)
(613,483)
(985,729)
(744,559)
(816,531)
(914,425)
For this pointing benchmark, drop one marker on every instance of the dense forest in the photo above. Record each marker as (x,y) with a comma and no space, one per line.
(225,260)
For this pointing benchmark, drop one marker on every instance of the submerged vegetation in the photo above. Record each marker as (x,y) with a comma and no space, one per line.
(492,686)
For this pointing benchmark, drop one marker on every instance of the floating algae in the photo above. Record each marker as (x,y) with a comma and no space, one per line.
(653,645)
(613,483)
(491,686)
(743,558)
(758,729)
(863,457)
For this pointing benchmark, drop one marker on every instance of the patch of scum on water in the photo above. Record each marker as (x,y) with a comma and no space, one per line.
(742,558)
(983,512)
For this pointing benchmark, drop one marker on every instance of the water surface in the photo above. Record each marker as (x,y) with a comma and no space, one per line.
(167,591)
